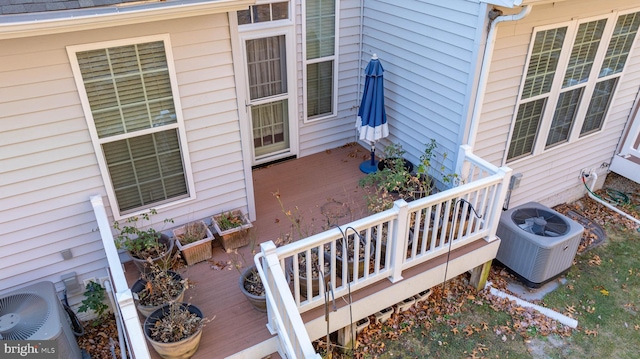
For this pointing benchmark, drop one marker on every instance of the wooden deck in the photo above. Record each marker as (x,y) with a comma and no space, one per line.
(320,188)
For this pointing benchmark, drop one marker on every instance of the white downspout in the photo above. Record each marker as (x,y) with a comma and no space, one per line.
(485,67)
(360,54)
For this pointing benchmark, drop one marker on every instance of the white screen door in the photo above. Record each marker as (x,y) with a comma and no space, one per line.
(268,97)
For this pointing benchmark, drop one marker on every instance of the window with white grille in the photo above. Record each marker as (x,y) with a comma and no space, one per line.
(572,74)
(320,58)
(128,92)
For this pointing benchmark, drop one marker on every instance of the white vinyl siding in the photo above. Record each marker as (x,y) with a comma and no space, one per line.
(576,82)
(132,106)
(429,50)
(552,176)
(50,169)
(320,28)
(324,134)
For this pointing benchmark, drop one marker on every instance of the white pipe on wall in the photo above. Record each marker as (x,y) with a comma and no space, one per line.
(486,67)
(594,178)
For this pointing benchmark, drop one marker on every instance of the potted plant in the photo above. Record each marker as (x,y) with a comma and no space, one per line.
(232,228)
(144,244)
(157,288)
(396,179)
(194,241)
(317,271)
(251,286)
(249,281)
(347,252)
(174,330)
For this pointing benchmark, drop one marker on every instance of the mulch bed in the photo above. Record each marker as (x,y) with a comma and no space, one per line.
(100,340)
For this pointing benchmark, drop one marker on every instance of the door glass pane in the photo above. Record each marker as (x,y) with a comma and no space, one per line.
(543,62)
(584,52)
(564,116)
(266,66)
(620,44)
(526,128)
(598,106)
(270,127)
(280,11)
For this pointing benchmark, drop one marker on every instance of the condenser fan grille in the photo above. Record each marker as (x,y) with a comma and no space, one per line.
(21,315)
(540,222)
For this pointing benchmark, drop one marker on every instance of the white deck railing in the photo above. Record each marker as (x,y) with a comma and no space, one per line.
(382,247)
(122,293)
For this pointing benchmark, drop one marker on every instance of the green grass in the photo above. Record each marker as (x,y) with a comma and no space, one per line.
(602,292)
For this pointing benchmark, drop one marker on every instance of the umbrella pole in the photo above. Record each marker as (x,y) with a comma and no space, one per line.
(370,165)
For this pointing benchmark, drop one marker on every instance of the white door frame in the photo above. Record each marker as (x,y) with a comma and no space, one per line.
(242,84)
(633,135)
(246,132)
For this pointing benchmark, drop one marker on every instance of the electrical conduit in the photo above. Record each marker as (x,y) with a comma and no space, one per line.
(594,178)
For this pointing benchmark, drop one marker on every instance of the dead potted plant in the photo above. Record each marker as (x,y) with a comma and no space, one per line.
(175,330)
(251,286)
(346,253)
(194,241)
(311,260)
(144,244)
(249,281)
(232,228)
(156,288)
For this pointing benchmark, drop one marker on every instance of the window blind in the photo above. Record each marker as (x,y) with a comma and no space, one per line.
(129,90)
(543,62)
(321,28)
(526,128)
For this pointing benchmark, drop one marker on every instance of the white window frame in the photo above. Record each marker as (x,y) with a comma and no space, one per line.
(334,58)
(97,142)
(556,87)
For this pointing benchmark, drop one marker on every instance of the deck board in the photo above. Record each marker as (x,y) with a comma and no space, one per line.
(326,182)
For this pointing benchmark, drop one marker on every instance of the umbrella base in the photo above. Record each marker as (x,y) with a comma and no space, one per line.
(368,166)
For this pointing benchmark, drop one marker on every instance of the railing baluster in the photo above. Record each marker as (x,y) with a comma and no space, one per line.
(443,219)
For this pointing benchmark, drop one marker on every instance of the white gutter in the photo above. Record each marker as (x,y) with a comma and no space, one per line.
(594,177)
(559,317)
(485,68)
(35,24)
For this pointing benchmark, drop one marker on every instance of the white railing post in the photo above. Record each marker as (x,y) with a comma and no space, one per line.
(399,239)
(269,249)
(283,314)
(121,289)
(496,206)
(462,165)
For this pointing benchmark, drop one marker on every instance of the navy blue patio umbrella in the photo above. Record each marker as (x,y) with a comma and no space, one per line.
(372,118)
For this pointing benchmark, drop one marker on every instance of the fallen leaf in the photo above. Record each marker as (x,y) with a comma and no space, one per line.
(604,292)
